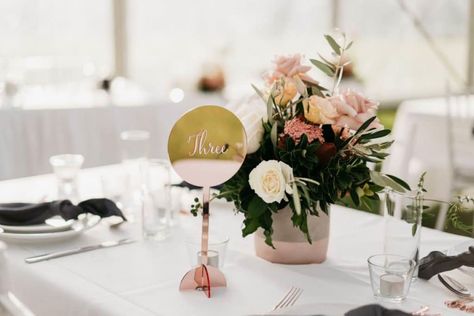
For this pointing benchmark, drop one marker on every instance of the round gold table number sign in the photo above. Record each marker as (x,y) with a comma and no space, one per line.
(206,147)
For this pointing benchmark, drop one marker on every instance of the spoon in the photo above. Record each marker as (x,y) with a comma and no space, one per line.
(455,286)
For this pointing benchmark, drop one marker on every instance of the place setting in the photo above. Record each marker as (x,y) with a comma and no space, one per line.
(303,159)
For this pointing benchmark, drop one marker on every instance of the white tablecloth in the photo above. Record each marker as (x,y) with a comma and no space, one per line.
(421,137)
(143,278)
(29,137)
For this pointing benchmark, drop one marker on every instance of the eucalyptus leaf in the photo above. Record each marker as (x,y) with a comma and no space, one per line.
(301,87)
(365,125)
(330,64)
(334,45)
(413,229)
(274,134)
(400,182)
(296,199)
(377,178)
(323,67)
(260,93)
(270,105)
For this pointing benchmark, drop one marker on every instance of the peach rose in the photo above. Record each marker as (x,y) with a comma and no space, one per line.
(354,109)
(288,67)
(283,94)
(319,110)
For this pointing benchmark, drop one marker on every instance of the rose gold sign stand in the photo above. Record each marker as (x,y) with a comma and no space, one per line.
(206,146)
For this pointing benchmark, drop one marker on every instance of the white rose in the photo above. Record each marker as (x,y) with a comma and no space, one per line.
(252,113)
(271,179)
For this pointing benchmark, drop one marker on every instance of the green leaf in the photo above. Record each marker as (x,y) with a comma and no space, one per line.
(399,181)
(349,45)
(274,134)
(256,207)
(392,184)
(355,197)
(270,105)
(366,124)
(377,178)
(323,67)
(330,64)
(334,45)
(260,93)
(251,225)
(376,134)
(300,86)
(296,199)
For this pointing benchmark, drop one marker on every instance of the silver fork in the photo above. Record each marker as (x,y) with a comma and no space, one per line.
(289,299)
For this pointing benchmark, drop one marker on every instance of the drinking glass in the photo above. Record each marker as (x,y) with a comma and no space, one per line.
(135,147)
(403,214)
(135,144)
(390,276)
(217,250)
(156,200)
(66,167)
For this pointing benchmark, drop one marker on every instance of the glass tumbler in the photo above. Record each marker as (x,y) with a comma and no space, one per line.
(66,168)
(403,215)
(390,276)
(135,146)
(156,200)
(217,250)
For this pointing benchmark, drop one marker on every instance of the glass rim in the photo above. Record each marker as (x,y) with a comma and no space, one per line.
(194,241)
(370,262)
(408,194)
(135,134)
(158,161)
(412,195)
(65,159)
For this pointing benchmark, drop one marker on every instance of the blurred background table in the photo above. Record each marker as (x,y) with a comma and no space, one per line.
(435,136)
(30,136)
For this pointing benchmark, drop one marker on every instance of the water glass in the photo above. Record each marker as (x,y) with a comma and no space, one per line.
(156,200)
(217,250)
(135,147)
(135,144)
(403,215)
(66,168)
(390,276)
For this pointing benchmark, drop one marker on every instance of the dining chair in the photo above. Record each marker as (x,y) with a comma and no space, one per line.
(460,145)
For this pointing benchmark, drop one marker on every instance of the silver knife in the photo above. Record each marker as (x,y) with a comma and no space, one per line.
(63,253)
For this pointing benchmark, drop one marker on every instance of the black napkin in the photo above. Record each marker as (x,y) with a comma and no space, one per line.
(17,214)
(375,310)
(184,184)
(437,262)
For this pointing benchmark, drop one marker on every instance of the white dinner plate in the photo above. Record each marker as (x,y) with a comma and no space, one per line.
(326,309)
(53,224)
(84,223)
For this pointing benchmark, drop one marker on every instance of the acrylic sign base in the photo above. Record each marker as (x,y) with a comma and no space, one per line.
(203,278)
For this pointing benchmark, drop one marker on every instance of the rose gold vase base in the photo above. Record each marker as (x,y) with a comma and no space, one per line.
(203,278)
(292,252)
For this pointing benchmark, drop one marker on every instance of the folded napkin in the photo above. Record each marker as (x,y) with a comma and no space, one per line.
(375,310)
(18,214)
(437,262)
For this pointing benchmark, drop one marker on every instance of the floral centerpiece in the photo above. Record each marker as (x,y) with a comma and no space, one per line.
(308,147)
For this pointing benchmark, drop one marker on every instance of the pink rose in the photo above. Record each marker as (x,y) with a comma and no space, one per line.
(354,110)
(288,67)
